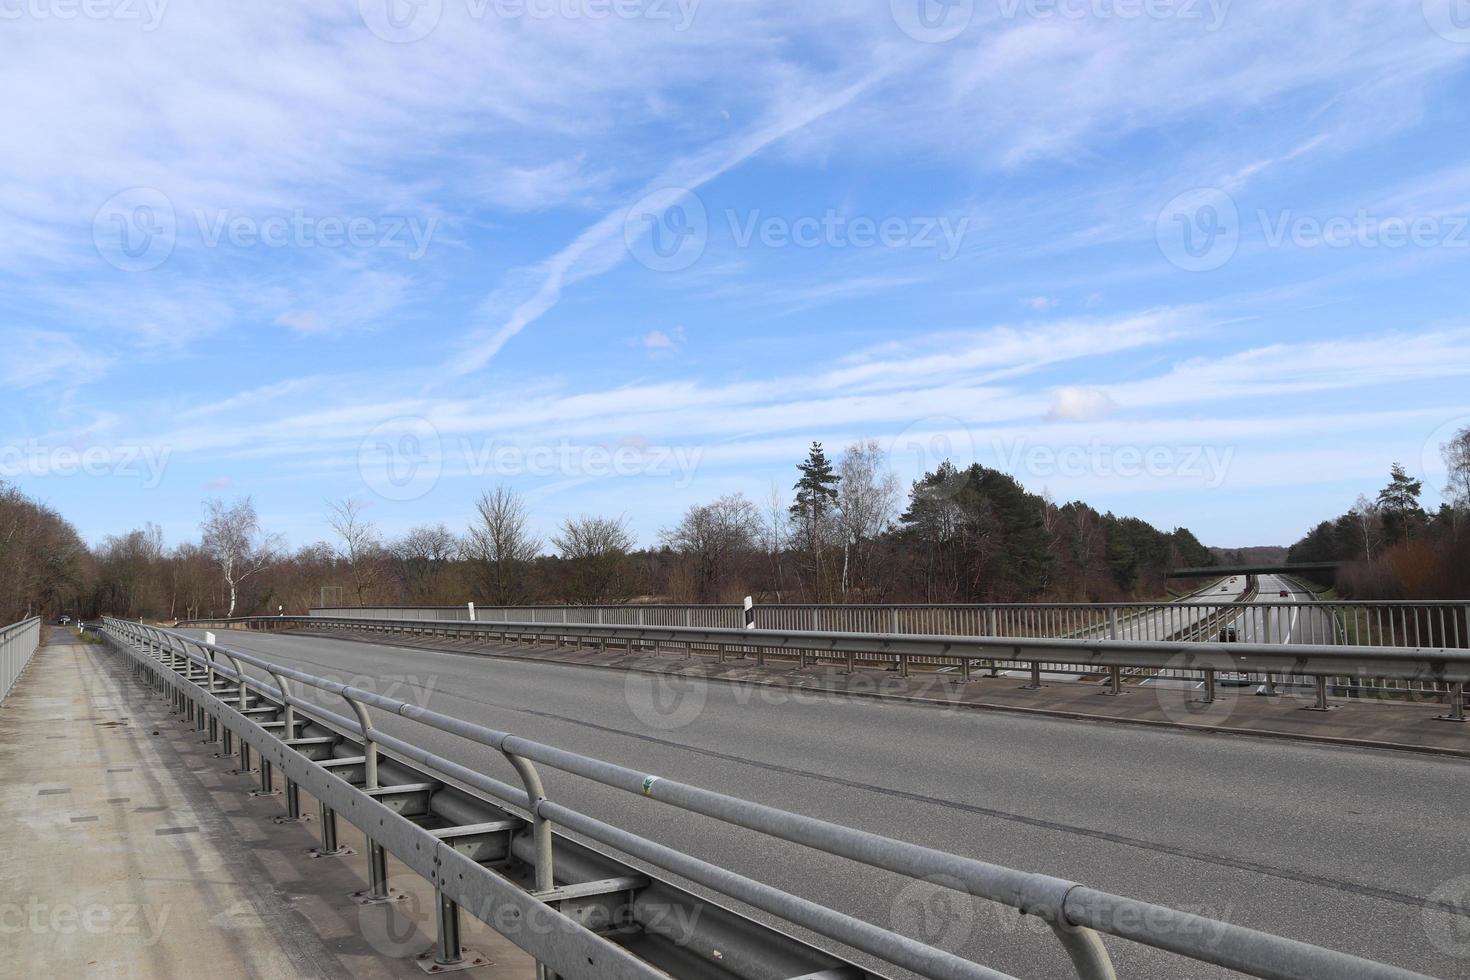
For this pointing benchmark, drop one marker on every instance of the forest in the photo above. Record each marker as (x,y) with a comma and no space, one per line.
(846,532)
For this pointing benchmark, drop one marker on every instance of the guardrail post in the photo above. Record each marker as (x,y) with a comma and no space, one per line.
(447,953)
(1085,948)
(1115,682)
(369,746)
(1209,697)
(1035,683)
(244,695)
(1457,703)
(329,846)
(288,716)
(540,826)
(1321,704)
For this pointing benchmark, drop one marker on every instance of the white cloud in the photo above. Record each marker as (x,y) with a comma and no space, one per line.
(1079,404)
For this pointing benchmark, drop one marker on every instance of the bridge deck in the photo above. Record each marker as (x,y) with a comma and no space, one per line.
(129,850)
(1404,724)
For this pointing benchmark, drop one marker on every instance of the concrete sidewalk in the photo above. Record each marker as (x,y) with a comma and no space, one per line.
(1237,711)
(129,850)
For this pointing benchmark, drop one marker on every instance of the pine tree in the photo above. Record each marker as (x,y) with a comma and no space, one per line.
(816,496)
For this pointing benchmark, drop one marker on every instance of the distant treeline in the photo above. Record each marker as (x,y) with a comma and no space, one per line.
(845,532)
(1389,547)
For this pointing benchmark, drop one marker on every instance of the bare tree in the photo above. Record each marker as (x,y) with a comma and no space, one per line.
(867,502)
(1456,455)
(424,555)
(596,552)
(360,548)
(715,539)
(501,547)
(233,538)
(1369,518)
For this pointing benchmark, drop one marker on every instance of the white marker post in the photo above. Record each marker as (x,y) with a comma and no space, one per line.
(209,638)
(472,612)
(749,613)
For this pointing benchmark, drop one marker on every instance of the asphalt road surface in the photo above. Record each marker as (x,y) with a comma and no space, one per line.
(1324,844)
(1296,620)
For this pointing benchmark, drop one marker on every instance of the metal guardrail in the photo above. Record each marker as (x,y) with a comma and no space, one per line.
(1444,671)
(1401,624)
(17,643)
(204,689)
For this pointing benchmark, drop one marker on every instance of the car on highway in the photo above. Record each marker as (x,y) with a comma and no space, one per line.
(1284,594)
(1229,634)
(65,621)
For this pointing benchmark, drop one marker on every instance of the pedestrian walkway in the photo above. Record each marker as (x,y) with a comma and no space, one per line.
(128,849)
(1237,710)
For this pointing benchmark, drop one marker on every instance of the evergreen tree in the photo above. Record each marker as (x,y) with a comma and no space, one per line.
(816,497)
(1400,503)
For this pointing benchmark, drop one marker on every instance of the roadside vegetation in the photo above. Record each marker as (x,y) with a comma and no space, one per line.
(844,531)
(1390,547)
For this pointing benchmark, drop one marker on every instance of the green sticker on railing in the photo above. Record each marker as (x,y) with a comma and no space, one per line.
(648,782)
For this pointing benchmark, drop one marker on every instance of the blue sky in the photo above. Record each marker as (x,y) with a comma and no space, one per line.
(1205,263)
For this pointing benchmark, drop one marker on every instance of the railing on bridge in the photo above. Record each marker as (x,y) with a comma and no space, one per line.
(1397,624)
(378,781)
(17,643)
(1439,673)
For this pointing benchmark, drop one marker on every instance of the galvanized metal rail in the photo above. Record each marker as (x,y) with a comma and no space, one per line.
(18,642)
(221,697)
(1405,624)
(1326,666)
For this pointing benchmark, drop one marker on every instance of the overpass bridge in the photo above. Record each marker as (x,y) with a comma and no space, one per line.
(834,843)
(1306,569)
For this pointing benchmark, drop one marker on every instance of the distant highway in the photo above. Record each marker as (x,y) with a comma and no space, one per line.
(1325,844)
(1299,619)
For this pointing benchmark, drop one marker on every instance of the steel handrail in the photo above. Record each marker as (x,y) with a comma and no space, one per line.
(1446,665)
(875,940)
(18,643)
(1066,906)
